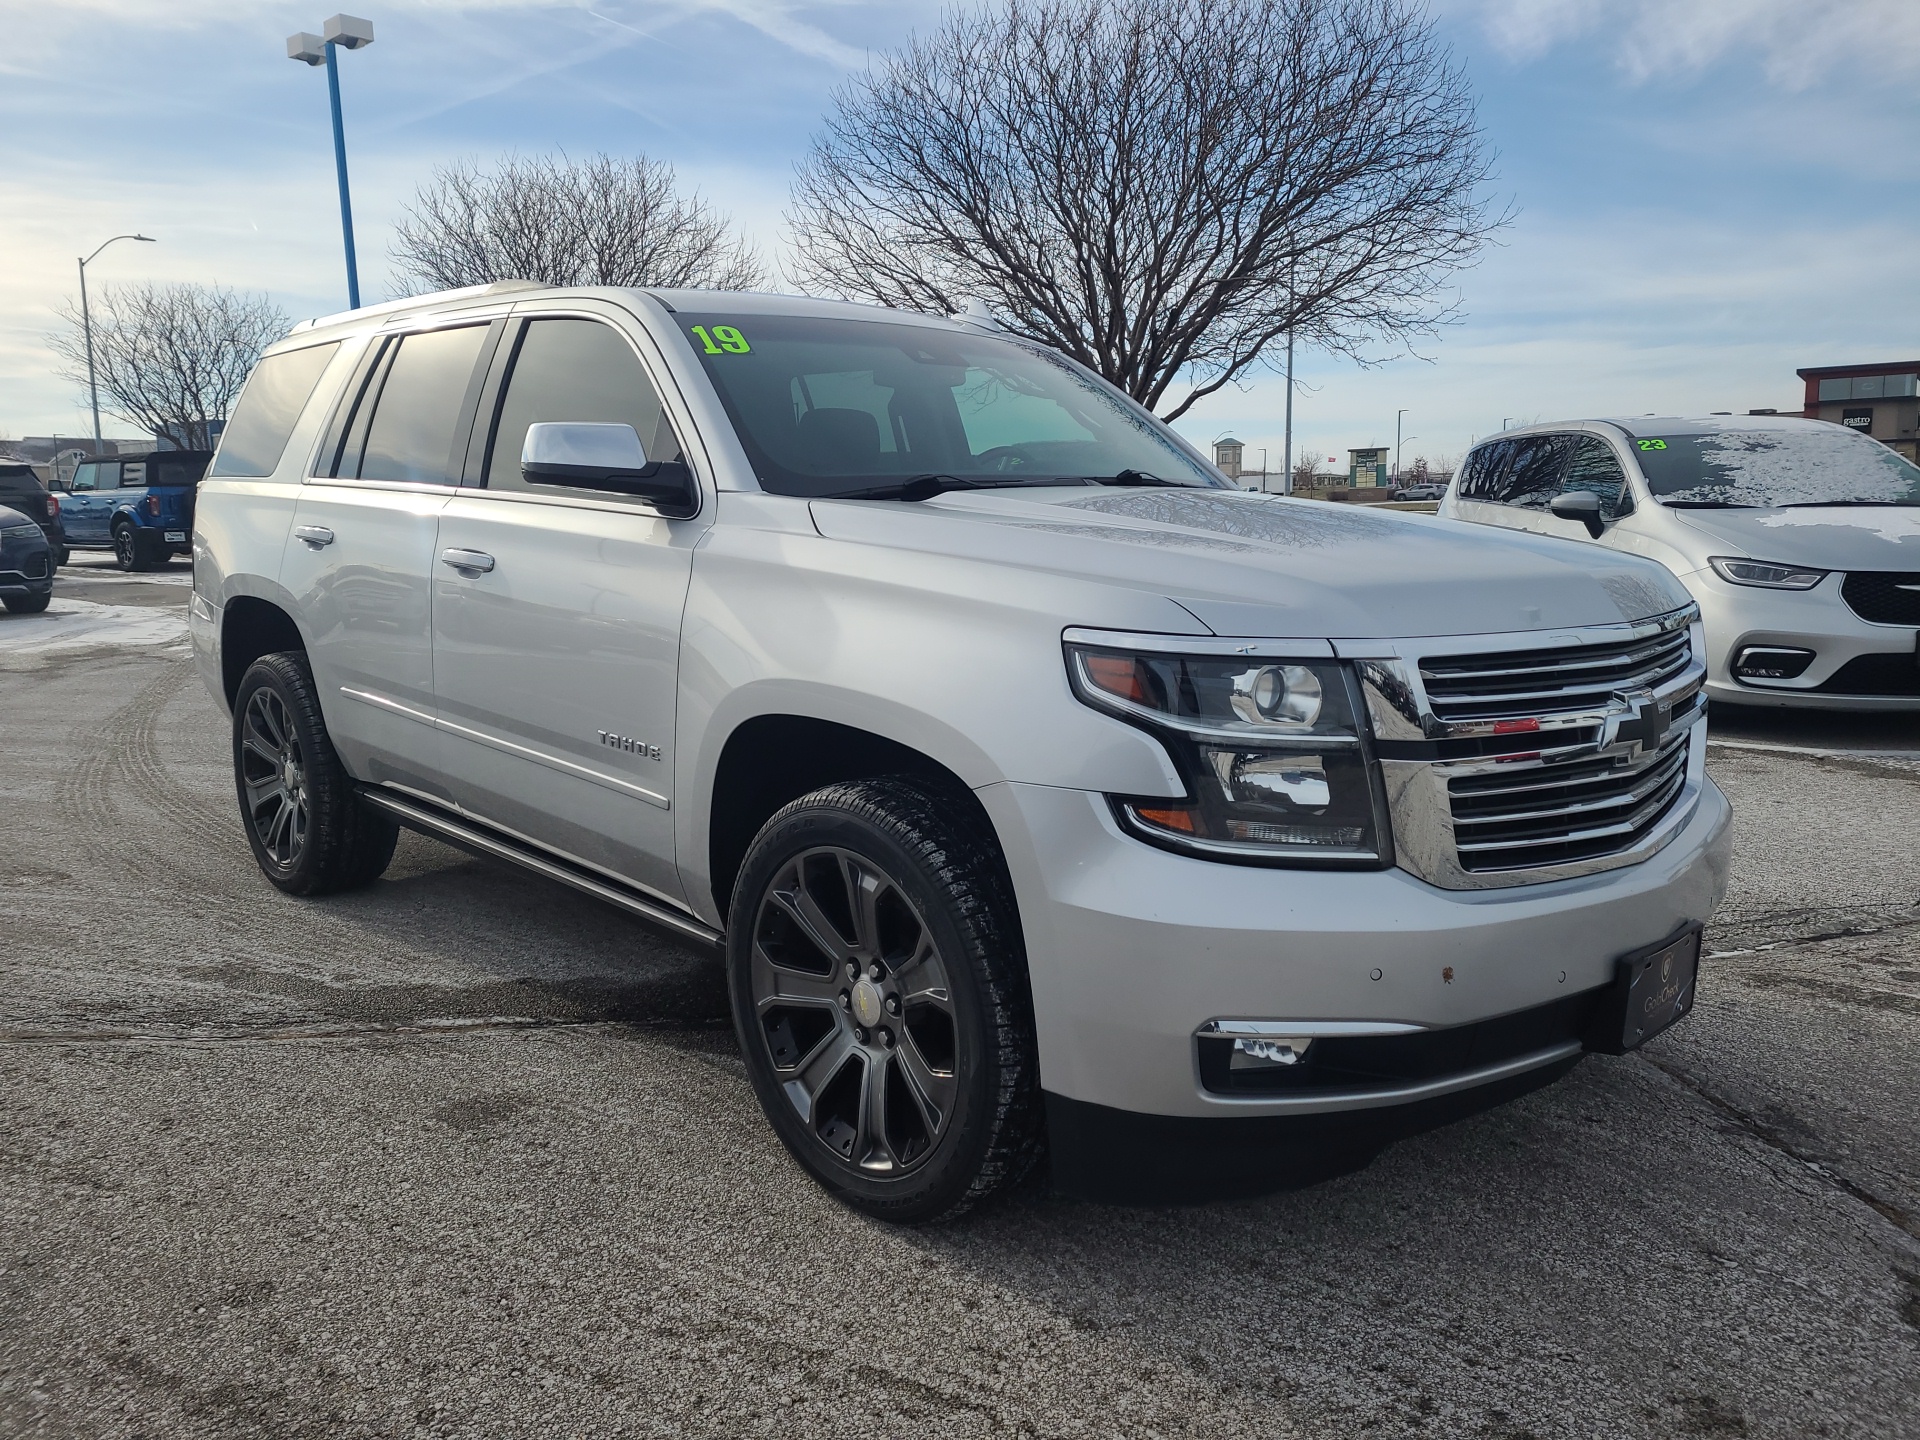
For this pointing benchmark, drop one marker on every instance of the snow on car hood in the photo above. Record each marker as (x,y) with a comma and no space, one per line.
(1826,538)
(1248,564)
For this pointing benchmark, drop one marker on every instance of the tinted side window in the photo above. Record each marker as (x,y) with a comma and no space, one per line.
(1595,467)
(88,477)
(133,475)
(574,370)
(269,408)
(1486,470)
(421,390)
(177,470)
(1535,477)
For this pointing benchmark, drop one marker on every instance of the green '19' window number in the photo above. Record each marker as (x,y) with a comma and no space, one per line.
(1651,444)
(725,340)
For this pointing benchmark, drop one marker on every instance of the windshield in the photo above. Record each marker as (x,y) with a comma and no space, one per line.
(830,406)
(1824,466)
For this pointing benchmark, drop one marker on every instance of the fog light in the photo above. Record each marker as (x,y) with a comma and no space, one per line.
(1267,1052)
(1771,662)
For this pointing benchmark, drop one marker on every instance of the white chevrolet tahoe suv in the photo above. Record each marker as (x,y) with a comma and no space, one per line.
(1041,790)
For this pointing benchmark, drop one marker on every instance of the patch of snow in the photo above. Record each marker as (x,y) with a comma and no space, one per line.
(1796,467)
(84,625)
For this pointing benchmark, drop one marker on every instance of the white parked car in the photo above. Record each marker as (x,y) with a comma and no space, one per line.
(1035,783)
(1799,539)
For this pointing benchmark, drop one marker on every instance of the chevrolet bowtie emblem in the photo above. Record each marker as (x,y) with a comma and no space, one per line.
(1644,725)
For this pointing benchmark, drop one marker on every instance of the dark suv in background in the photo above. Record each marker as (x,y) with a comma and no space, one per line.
(138,506)
(20,489)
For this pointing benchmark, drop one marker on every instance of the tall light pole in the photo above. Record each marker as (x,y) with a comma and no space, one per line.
(343,32)
(86,325)
(1397,417)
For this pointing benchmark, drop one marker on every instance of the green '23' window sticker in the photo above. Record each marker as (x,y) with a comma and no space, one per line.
(1651,444)
(724,340)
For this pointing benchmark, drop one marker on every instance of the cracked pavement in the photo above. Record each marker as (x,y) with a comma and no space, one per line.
(468,1154)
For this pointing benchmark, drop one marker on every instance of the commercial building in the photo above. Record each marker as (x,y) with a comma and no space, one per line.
(1877,400)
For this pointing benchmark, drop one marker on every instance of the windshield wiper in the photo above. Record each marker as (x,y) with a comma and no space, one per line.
(1136,477)
(1823,504)
(925,487)
(1707,504)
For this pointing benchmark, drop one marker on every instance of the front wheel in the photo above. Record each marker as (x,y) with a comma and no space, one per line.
(310,832)
(879,990)
(28,604)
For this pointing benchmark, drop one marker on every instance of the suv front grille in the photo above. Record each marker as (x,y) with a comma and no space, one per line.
(1878,596)
(1542,683)
(1532,764)
(1555,814)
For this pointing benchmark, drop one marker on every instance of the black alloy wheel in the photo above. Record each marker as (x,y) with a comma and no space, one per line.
(273,778)
(126,547)
(881,999)
(854,1001)
(308,828)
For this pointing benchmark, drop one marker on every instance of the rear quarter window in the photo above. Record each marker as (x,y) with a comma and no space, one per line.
(269,408)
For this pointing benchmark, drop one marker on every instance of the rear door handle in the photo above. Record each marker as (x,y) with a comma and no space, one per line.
(467,562)
(314,535)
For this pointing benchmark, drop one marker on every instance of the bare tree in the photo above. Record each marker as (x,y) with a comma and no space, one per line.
(598,221)
(1306,472)
(1157,187)
(170,358)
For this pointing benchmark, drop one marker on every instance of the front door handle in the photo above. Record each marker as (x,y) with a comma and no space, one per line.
(467,562)
(317,536)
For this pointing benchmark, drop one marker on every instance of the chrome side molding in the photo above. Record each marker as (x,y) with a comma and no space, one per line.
(479,840)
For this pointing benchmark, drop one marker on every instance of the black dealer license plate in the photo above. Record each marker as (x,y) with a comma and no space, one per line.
(1651,990)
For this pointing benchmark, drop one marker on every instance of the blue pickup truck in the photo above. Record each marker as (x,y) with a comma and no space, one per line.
(138,506)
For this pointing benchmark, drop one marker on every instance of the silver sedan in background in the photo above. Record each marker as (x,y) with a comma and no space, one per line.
(1800,539)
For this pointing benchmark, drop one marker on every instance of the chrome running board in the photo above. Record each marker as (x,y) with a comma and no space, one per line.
(477,839)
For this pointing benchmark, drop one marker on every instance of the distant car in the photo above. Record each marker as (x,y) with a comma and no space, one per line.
(138,506)
(1420,492)
(26,563)
(1799,539)
(20,489)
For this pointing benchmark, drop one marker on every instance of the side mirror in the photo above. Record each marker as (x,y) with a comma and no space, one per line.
(1581,505)
(595,456)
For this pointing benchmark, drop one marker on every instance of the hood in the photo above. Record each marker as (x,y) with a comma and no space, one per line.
(1867,537)
(10,517)
(1265,565)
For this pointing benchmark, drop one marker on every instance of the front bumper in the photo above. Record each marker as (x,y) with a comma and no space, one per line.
(1819,620)
(1132,949)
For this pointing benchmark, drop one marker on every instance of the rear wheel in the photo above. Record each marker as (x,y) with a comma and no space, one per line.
(879,989)
(133,549)
(310,832)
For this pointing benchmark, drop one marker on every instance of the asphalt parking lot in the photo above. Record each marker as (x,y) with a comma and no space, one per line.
(469,1154)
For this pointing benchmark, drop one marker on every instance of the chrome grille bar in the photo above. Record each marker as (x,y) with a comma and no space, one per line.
(1510,762)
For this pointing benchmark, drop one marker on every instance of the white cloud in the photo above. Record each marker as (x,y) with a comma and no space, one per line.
(1796,42)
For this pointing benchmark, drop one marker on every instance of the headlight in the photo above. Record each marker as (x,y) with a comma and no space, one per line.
(1765,574)
(1275,761)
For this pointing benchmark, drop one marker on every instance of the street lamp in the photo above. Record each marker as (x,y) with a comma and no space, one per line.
(347,32)
(86,325)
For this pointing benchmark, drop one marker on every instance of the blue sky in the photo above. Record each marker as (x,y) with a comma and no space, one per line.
(1708,193)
